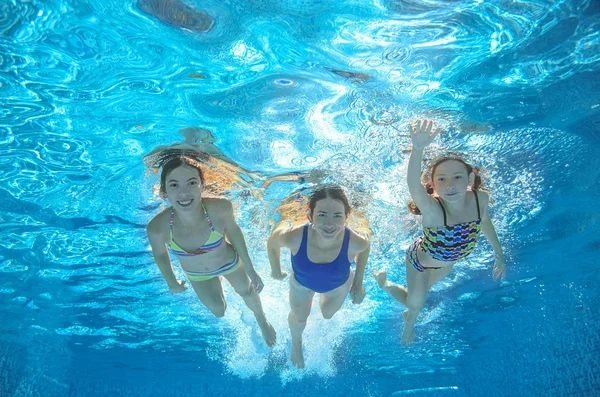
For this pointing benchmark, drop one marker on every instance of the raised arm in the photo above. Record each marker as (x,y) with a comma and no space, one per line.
(422,133)
(161,257)
(236,238)
(277,240)
(487,227)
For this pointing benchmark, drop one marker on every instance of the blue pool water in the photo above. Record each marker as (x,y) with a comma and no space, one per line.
(88,87)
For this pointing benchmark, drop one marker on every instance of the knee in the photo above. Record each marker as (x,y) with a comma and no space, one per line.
(327,314)
(299,318)
(245,292)
(218,310)
(415,303)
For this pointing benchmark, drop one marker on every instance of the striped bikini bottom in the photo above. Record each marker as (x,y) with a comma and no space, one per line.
(223,270)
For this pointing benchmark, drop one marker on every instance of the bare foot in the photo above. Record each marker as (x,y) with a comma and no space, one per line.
(297,357)
(380,276)
(268,333)
(408,336)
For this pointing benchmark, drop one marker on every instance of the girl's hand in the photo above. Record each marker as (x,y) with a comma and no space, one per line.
(499,268)
(423,132)
(256,281)
(178,287)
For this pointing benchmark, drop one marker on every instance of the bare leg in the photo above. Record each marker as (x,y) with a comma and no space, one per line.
(333,300)
(300,304)
(396,291)
(413,297)
(241,283)
(210,293)
(419,284)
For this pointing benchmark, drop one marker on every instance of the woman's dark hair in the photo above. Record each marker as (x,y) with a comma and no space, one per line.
(333,192)
(412,207)
(175,162)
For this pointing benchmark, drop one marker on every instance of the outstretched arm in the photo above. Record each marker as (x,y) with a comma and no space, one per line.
(487,227)
(422,133)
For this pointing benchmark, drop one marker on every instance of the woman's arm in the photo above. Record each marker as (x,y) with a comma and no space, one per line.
(161,257)
(357,291)
(277,240)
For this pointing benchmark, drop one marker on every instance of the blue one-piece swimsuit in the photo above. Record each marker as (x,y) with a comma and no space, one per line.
(321,277)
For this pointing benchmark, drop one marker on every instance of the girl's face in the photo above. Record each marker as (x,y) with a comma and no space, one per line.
(184,188)
(451,180)
(328,218)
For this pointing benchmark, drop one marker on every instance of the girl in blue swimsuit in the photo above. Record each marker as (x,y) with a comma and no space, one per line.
(454,215)
(321,254)
(203,234)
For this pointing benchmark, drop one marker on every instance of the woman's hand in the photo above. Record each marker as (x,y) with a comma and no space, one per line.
(256,281)
(499,268)
(357,293)
(178,287)
(279,276)
(423,132)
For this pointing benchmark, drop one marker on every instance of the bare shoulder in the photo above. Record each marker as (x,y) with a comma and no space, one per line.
(358,242)
(220,210)
(159,224)
(288,236)
(484,199)
(217,204)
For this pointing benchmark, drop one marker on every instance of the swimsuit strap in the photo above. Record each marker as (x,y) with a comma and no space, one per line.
(345,243)
(304,243)
(443,210)
(477,201)
(171,219)
(207,218)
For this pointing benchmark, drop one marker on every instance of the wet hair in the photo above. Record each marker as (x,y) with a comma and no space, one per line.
(174,163)
(217,176)
(292,211)
(333,192)
(477,184)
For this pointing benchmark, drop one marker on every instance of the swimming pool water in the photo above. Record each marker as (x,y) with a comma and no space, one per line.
(88,87)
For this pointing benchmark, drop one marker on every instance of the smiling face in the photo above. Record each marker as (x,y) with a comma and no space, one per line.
(328,218)
(184,188)
(451,180)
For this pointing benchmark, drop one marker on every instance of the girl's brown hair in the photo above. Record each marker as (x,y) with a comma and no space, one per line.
(292,211)
(217,176)
(477,183)
(174,163)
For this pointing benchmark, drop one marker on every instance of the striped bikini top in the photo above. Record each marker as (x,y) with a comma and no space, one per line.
(450,243)
(214,240)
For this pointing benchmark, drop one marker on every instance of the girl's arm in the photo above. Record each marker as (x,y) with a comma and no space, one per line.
(236,238)
(422,133)
(161,257)
(487,227)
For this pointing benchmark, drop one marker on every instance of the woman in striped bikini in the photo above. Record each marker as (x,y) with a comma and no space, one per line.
(454,215)
(203,234)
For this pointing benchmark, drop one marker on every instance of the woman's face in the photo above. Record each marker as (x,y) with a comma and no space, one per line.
(184,188)
(451,180)
(328,218)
